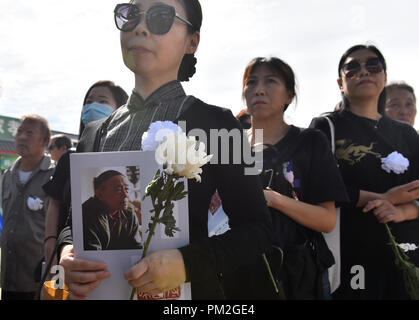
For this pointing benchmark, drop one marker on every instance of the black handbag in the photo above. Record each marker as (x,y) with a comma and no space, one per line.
(301,273)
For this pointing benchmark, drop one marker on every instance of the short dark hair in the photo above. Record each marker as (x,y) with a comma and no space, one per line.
(401,86)
(278,66)
(382,98)
(42,122)
(103,177)
(60,140)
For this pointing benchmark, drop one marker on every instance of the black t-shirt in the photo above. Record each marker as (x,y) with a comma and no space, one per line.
(301,165)
(58,188)
(361,143)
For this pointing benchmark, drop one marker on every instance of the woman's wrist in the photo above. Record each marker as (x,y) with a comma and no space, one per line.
(49,238)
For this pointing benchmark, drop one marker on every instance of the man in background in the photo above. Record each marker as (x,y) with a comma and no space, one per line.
(24,207)
(108,223)
(60,143)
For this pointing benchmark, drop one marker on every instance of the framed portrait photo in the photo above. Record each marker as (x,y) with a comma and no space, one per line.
(111,218)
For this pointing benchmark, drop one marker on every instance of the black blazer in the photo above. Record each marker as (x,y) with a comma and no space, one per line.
(207,259)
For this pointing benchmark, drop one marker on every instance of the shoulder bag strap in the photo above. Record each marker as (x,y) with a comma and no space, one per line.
(332,134)
(333,238)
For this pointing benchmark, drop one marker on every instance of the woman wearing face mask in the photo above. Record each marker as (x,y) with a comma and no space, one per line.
(158,41)
(300,177)
(380,190)
(102,98)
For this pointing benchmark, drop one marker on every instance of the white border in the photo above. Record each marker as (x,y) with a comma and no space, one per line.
(119,261)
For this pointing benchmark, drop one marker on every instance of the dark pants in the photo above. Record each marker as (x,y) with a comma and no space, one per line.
(12,295)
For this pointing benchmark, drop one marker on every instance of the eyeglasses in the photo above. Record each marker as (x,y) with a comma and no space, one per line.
(351,69)
(159,18)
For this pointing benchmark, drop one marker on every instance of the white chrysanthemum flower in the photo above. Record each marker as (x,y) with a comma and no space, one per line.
(395,162)
(176,152)
(408,246)
(35,204)
(156,133)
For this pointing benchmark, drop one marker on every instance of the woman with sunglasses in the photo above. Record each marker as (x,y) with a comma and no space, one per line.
(159,39)
(301,181)
(380,190)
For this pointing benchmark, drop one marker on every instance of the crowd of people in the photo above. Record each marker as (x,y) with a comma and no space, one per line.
(277,246)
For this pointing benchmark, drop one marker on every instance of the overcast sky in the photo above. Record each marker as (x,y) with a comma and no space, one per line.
(52,51)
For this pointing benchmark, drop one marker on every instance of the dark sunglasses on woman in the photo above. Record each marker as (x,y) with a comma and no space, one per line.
(372,65)
(159,18)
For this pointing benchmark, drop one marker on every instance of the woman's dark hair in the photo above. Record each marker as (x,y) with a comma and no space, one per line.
(279,67)
(374,49)
(194,16)
(401,86)
(119,95)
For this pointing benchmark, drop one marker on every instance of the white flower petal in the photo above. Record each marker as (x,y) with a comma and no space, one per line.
(155,134)
(35,204)
(395,162)
(408,246)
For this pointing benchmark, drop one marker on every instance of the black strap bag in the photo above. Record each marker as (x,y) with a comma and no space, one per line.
(303,266)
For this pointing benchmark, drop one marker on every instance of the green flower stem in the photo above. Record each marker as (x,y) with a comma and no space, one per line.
(162,194)
(400,255)
(270,272)
(409,270)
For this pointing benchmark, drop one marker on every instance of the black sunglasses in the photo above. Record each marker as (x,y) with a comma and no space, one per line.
(159,18)
(351,69)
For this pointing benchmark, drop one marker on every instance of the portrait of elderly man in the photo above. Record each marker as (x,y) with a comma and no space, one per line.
(108,222)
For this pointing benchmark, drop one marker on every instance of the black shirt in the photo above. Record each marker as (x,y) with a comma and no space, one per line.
(101,232)
(58,188)
(307,155)
(361,143)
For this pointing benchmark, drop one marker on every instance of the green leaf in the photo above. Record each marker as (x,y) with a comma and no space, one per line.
(180,186)
(180,196)
(409,270)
